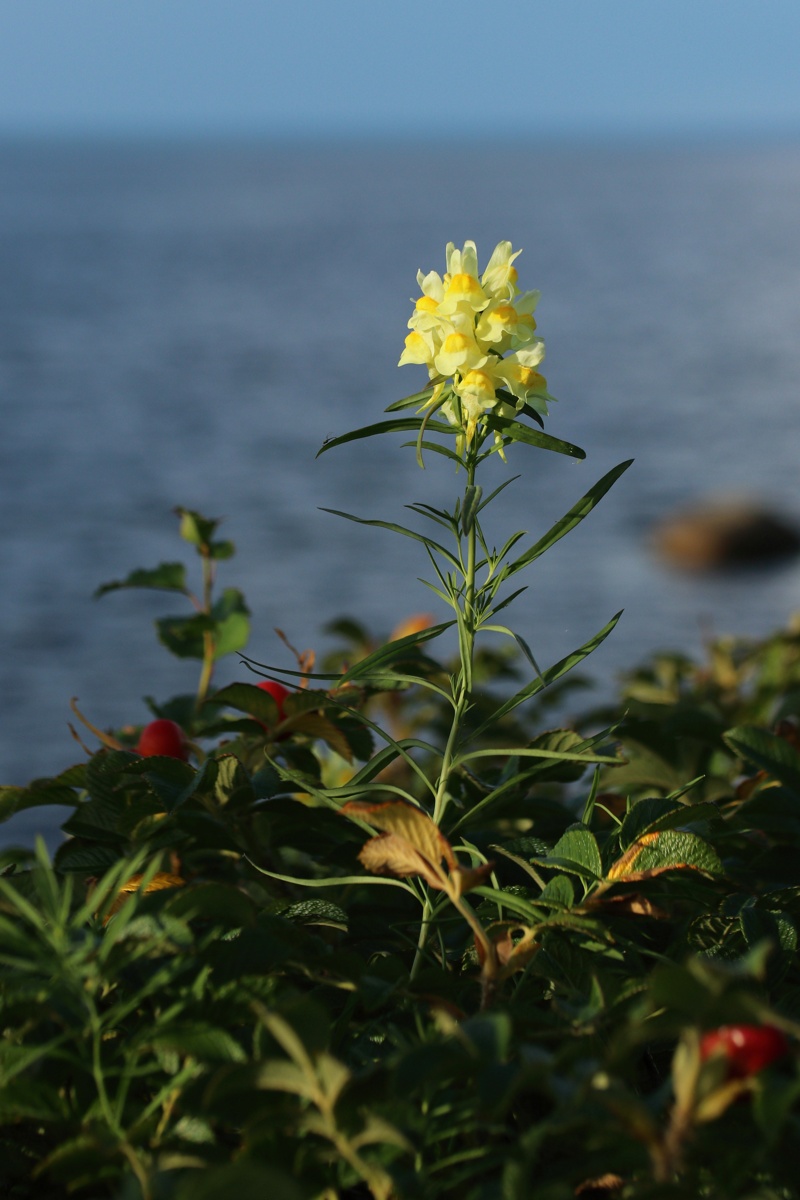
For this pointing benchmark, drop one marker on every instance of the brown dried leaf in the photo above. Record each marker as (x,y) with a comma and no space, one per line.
(408,822)
(635,904)
(467,878)
(391,854)
(604,1186)
(513,952)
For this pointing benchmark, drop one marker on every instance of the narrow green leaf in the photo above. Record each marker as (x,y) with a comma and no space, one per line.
(437,448)
(471,507)
(401,529)
(335,880)
(418,399)
(510,428)
(549,676)
(575,515)
(399,425)
(488,499)
(391,651)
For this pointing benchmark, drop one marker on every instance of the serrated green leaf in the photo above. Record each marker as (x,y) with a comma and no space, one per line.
(559,893)
(670,849)
(768,752)
(185,636)
(167,577)
(232,786)
(195,528)
(203,1041)
(43,791)
(317,912)
(231,618)
(89,857)
(654,813)
(251,699)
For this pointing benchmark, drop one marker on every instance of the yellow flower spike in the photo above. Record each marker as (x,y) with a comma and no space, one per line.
(477,334)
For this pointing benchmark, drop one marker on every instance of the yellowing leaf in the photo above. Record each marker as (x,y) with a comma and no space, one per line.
(665,850)
(390,854)
(408,822)
(162,879)
(623,866)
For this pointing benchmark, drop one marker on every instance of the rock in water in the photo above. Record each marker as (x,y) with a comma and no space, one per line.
(720,534)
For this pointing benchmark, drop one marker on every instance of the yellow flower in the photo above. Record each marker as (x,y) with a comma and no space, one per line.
(459,351)
(462,261)
(500,277)
(504,326)
(519,375)
(462,326)
(419,349)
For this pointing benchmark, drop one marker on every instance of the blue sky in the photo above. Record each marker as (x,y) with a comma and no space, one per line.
(400,67)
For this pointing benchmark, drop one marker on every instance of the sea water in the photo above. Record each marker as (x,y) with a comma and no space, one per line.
(184,324)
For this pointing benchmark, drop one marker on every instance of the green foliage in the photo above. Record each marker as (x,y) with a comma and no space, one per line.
(205,992)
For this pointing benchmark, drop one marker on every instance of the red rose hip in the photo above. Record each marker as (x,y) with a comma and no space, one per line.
(278,693)
(164,738)
(748,1048)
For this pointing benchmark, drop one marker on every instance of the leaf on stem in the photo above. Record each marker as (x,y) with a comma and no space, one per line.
(412,844)
(167,577)
(665,850)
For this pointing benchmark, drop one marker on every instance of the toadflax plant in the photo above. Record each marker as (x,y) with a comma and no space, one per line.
(476,334)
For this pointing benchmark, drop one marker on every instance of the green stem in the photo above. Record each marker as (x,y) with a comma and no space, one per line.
(461,700)
(208,637)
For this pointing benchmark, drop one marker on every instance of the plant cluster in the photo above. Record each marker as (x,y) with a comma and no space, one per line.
(378,930)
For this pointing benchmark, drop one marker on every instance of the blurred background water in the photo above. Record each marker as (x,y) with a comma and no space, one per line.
(185,322)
